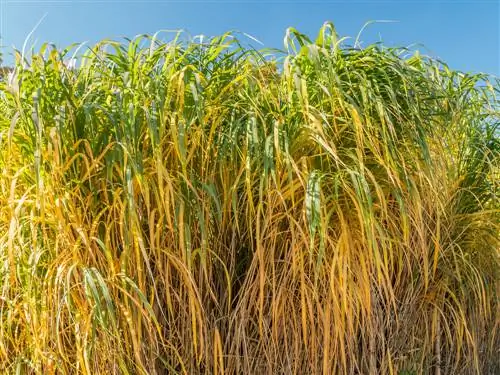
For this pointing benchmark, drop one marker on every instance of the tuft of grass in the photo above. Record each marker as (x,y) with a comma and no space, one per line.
(202,207)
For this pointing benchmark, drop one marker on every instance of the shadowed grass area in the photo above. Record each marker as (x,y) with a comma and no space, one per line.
(202,207)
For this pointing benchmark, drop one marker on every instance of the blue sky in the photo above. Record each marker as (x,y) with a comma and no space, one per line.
(465,34)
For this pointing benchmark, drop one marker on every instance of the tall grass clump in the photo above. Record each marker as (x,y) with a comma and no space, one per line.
(197,206)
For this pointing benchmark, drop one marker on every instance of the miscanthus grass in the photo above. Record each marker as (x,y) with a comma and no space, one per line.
(202,207)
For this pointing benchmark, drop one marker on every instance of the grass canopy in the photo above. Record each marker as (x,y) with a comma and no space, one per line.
(198,206)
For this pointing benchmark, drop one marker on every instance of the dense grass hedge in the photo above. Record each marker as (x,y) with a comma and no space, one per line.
(203,207)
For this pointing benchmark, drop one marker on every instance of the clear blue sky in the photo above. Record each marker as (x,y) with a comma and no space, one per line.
(465,34)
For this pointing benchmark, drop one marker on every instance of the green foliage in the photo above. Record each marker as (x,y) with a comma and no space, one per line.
(202,207)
